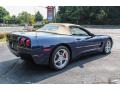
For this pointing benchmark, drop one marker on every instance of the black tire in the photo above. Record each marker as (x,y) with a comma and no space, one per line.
(104,49)
(52,61)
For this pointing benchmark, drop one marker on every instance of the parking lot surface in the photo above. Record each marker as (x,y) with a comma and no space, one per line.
(93,69)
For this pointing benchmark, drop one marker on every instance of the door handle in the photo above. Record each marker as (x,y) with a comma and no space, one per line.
(78,39)
(88,37)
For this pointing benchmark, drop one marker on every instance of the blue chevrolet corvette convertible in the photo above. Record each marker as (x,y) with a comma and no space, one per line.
(56,44)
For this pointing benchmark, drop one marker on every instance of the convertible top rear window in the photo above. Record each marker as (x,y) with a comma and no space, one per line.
(49,27)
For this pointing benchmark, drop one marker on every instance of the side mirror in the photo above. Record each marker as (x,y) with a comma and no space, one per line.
(92,35)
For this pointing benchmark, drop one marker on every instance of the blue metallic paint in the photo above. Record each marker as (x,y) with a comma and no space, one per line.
(41,40)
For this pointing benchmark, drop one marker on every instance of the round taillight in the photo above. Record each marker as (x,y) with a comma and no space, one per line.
(28,42)
(21,41)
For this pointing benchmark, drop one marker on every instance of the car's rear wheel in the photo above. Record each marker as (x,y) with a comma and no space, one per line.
(107,47)
(60,58)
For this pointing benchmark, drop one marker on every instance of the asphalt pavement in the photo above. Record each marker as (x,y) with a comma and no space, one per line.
(94,68)
(11,29)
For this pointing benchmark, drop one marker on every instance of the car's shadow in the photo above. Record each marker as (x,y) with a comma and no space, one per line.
(23,72)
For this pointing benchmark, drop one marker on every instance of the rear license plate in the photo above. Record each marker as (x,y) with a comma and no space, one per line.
(14,46)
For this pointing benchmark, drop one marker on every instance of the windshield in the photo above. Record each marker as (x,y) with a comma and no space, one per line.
(48,27)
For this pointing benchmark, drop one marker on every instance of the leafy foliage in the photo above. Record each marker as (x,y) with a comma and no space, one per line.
(38,17)
(22,19)
(89,14)
(26,18)
(68,14)
(14,20)
(3,13)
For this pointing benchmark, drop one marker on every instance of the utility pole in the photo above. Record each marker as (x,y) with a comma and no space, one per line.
(55,14)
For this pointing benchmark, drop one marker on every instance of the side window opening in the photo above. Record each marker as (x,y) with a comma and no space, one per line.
(77,31)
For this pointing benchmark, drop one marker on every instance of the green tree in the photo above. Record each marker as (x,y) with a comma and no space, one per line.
(26,18)
(14,20)
(7,19)
(3,13)
(38,17)
(89,14)
(45,21)
(32,20)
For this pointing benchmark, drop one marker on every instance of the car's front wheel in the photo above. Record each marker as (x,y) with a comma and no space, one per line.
(60,58)
(107,47)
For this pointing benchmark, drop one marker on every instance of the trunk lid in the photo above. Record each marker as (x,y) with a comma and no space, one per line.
(14,37)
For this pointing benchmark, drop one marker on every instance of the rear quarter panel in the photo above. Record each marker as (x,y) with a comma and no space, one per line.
(53,40)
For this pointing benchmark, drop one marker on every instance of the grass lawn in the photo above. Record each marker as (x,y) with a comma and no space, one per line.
(3,40)
(3,37)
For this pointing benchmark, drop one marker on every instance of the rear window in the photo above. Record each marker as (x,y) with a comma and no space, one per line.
(49,27)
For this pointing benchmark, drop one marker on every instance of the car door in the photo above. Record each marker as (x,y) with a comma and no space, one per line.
(84,41)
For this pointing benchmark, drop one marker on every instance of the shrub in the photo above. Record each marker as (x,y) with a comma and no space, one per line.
(37,26)
(2,35)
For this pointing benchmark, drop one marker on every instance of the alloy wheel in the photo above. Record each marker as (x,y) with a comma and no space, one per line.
(61,58)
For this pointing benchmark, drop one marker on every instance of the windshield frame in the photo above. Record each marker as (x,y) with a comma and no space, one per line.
(51,27)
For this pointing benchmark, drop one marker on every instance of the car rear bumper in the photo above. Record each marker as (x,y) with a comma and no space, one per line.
(37,54)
